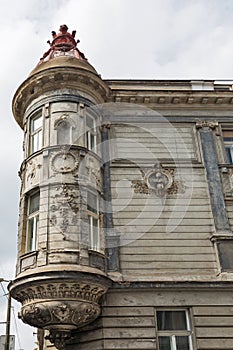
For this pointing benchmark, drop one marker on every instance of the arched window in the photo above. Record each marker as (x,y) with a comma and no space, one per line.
(64,132)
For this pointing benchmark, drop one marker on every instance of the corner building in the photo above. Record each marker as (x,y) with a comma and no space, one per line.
(125,230)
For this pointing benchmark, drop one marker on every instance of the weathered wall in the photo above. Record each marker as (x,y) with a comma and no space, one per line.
(162,238)
(128,318)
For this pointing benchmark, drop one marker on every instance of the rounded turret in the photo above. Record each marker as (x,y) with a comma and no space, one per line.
(61,266)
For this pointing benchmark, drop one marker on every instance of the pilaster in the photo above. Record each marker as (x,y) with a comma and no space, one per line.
(223,236)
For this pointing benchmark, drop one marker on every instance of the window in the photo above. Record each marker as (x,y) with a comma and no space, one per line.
(173,329)
(32,221)
(90,133)
(64,133)
(93,220)
(35,134)
(228,142)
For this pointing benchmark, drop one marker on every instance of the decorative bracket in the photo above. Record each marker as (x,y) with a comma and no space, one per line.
(205,124)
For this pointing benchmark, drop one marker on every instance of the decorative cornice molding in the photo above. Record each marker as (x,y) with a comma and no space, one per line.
(173,99)
(58,290)
(52,79)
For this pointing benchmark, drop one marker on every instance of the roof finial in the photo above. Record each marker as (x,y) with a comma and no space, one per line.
(63,44)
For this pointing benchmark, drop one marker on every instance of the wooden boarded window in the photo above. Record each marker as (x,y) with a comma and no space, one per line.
(173,330)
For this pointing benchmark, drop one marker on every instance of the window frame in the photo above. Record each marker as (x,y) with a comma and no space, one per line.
(92,215)
(91,134)
(228,145)
(33,217)
(38,132)
(173,334)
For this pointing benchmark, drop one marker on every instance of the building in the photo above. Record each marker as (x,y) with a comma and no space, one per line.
(125,232)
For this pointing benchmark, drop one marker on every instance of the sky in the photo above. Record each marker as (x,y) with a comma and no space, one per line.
(130,39)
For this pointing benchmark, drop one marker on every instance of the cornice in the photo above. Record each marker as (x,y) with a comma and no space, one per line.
(188,285)
(174,99)
(49,80)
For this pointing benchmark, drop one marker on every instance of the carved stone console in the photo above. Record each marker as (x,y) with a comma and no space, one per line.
(60,305)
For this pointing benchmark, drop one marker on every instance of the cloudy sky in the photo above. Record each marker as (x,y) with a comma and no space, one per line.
(150,39)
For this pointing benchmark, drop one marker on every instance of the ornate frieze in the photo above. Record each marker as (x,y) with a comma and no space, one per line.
(68,315)
(158,181)
(84,291)
(90,172)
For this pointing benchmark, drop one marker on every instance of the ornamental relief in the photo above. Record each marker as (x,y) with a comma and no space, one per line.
(68,314)
(64,208)
(80,291)
(206,124)
(158,181)
(62,312)
(60,307)
(90,171)
(64,161)
(32,173)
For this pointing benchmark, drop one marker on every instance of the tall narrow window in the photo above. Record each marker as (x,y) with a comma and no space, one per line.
(32,221)
(228,142)
(173,328)
(64,133)
(91,133)
(93,220)
(35,134)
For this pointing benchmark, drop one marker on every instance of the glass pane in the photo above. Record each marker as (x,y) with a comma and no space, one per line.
(64,133)
(39,143)
(228,139)
(33,143)
(32,233)
(182,343)
(34,203)
(36,141)
(92,204)
(165,343)
(36,123)
(93,142)
(95,234)
(229,154)
(171,320)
